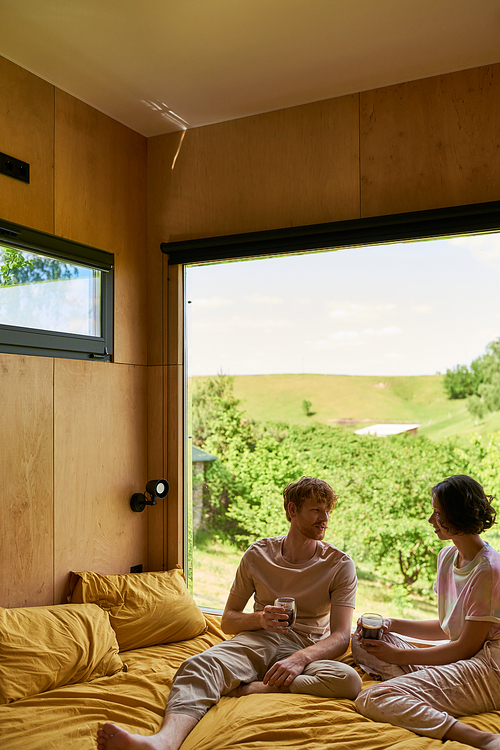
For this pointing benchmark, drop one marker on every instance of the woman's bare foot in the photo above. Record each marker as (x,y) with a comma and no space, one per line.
(249,688)
(111,737)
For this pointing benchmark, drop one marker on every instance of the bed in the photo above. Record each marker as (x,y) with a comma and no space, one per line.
(110,654)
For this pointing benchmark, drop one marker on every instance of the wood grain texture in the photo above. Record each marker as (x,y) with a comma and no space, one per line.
(26,531)
(100,194)
(174,463)
(156,467)
(27,133)
(173,324)
(280,169)
(157,271)
(100,460)
(431,143)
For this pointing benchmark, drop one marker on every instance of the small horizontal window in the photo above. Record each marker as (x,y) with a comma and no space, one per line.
(56,296)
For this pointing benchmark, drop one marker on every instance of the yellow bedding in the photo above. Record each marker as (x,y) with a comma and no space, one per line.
(67,718)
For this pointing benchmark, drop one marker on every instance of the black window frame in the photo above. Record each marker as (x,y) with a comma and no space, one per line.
(44,343)
(433,223)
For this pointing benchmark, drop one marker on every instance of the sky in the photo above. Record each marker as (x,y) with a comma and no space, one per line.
(404,309)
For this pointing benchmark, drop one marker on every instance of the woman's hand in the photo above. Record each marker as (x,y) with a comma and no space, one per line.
(386,626)
(382,650)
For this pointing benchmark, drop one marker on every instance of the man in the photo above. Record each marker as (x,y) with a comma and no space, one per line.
(266,655)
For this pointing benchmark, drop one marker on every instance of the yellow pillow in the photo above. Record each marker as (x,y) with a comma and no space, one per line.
(46,647)
(145,609)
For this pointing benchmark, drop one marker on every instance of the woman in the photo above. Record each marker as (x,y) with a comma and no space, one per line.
(427,688)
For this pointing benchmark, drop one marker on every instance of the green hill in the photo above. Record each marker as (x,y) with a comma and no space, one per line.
(356,401)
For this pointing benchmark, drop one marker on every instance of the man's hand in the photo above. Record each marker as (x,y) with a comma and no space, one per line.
(274,619)
(283,672)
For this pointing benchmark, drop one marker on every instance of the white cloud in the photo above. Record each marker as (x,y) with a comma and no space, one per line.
(236,322)
(485,248)
(326,345)
(422,309)
(348,337)
(261,299)
(352,309)
(389,331)
(345,335)
(489,243)
(211,303)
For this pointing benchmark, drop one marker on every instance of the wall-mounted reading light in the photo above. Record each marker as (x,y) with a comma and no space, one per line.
(155,488)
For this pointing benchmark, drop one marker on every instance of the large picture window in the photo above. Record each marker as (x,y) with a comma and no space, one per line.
(56,296)
(304,363)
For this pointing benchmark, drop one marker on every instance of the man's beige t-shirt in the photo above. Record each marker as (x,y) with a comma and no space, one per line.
(329,577)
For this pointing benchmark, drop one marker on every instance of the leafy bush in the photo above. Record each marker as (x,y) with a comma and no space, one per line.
(384,486)
(458,382)
(480,384)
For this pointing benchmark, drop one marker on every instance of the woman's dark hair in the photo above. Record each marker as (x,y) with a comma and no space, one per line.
(464,506)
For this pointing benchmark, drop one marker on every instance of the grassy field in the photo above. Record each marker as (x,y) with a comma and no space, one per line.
(358,401)
(215,563)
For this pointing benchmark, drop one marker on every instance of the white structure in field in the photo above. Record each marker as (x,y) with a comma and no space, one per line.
(384,430)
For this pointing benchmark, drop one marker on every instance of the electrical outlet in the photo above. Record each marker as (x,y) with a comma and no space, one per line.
(136,568)
(11,167)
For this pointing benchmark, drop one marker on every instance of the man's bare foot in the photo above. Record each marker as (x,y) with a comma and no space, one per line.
(249,688)
(111,737)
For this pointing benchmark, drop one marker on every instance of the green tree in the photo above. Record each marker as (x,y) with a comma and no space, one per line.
(490,393)
(306,408)
(484,463)
(485,368)
(476,407)
(21,267)
(458,382)
(480,384)
(217,418)
(45,269)
(12,263)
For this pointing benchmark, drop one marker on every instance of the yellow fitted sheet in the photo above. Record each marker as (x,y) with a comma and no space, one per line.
(67,718)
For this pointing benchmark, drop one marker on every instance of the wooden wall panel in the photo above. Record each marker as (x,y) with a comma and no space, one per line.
(26,451)
(159,165)
(157,516)
(285,168)
(27,133)
(166,425)
(431,143)
(100,449)
(174,455)
(100,193)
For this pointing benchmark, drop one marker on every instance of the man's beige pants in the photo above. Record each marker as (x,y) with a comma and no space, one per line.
(202,679)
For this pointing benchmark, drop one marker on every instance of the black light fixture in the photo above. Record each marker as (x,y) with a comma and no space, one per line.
(155,488)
